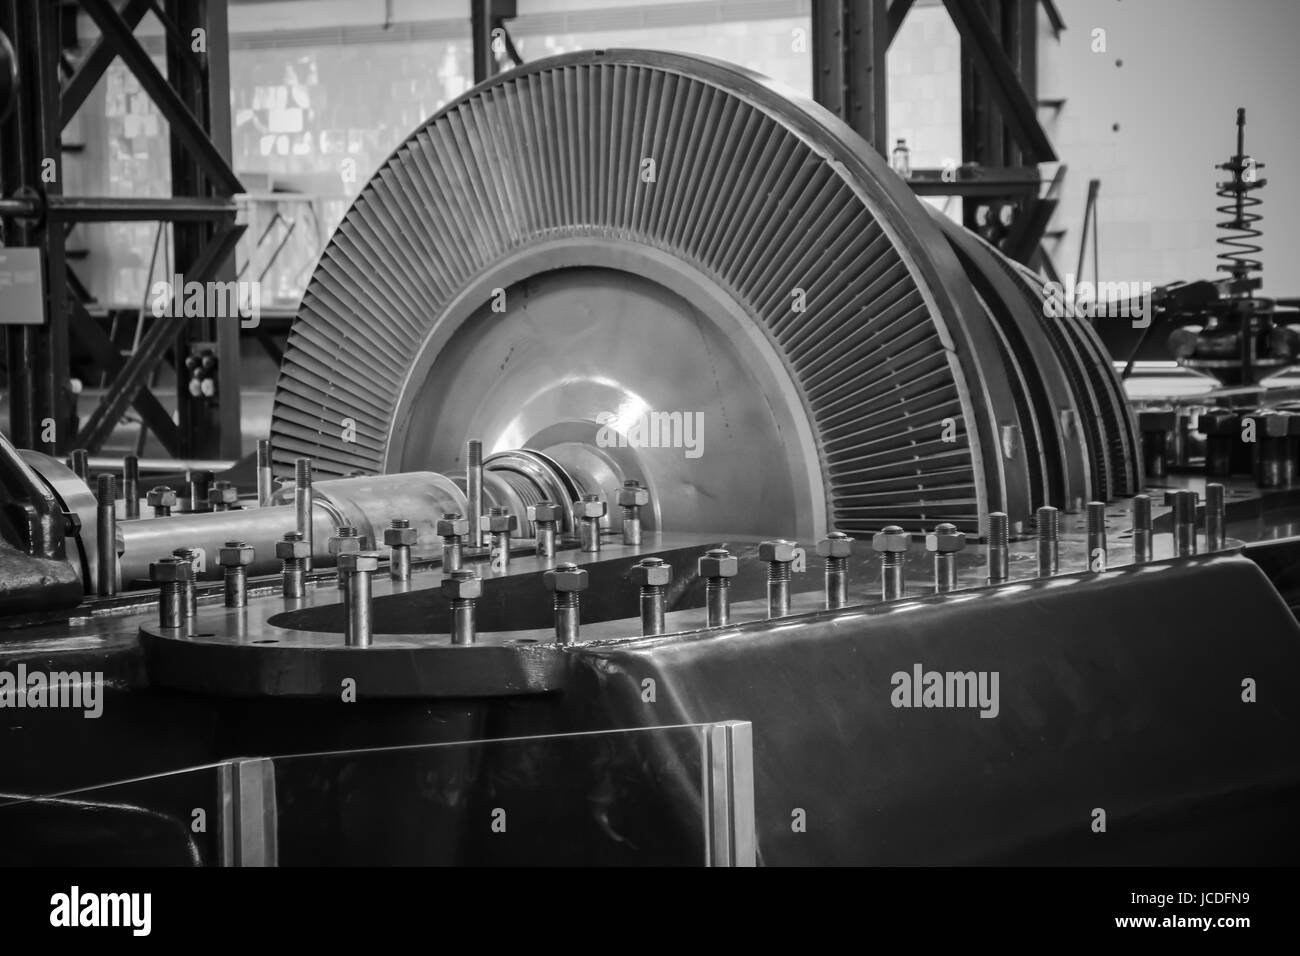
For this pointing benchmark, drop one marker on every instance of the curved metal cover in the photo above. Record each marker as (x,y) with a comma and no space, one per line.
(766,199)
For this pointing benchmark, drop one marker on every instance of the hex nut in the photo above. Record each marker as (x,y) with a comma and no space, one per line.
(161,497)
(400,537)
(235,554)
(945,539)
(718,564)
(650,575)
(457,527)
(633,497)
(170,571)
(497,524)
(342,545)
(545,511)
(565,577)
(228,495)
(462,588)
(292,550)
(1157,419)
(359,561)
(780,550)
(891,540)
(1221,422)
(1271,424)
(835,545)
(589,509)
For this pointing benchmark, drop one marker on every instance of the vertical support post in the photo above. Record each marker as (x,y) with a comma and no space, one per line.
(31,157)
(248,813)
(729,793)
(850,41)
(202,80)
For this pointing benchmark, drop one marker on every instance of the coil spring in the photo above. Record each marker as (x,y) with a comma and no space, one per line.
(1239,258)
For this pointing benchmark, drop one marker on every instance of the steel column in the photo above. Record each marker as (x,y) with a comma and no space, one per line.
(30,156)
(850,39)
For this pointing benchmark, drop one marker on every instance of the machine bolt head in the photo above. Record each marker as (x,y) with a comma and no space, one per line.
(565,577)
(170,571)
(161,497)
(836,544)
(632,495)
(235,554)
(463,585)
(497,524)
(945,539)
(545,511)
(891,540)
(718,563)
(364,561)
(453,526)
(400,537)
(652,572)
(781,551)
(586,508)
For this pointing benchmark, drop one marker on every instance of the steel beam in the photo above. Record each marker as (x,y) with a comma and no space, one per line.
(183,123)
(96,341)
(30,156)
(96,62)
(850,40)
(987,55)
(486,16)
(152,346)
(898,10)
(116,209)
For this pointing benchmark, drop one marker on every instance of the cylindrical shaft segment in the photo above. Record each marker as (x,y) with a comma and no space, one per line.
(474,489)
(566,617)
(652,610)
(131,486)
(302,500)
(1048,528)
(1141,529)
(1095,523)
(999,548)
(837,582)
(264,484)
(1215,517)
(106,531)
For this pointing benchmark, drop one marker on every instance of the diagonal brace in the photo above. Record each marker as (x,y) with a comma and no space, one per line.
(991,60)
(183,123)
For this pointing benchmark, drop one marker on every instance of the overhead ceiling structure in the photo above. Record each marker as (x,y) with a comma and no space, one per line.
(609,235)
